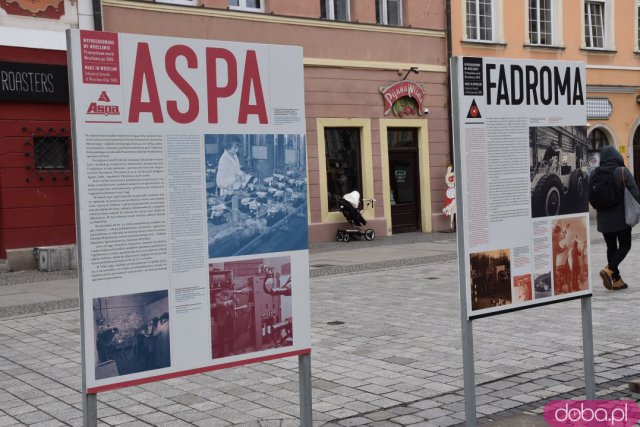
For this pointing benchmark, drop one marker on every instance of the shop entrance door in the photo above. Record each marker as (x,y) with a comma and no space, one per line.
(636,155)
(404,179)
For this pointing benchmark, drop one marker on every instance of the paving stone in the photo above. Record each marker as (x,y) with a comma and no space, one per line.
(118,419)
(341,413)
(155,418)
(18,410)
(212,422)
(7,420)
(175,423)
(33,417)
(403,410)
(407,419)
(356,421)
(136,423)
(444,421)
(433,413)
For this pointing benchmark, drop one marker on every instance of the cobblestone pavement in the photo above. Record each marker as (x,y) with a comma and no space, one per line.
(386,351)
(30,276)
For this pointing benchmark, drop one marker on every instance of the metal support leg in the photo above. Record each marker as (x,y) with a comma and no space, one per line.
(468,373)
(587,349)
(304,372)
(90,410)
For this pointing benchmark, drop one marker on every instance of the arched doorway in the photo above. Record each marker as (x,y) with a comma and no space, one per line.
(636,155)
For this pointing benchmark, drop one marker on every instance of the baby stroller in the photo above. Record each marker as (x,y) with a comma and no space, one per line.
(352,208)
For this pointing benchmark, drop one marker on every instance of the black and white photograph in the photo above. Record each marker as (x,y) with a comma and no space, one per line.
(490,279)
(256,193)
(542,285)
(131,333)
(559,166)
(251,306)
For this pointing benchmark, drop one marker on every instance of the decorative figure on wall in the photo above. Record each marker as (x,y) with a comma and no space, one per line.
(51,9)
(450,207)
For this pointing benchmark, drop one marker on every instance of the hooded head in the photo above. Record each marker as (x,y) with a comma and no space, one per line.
(610,158)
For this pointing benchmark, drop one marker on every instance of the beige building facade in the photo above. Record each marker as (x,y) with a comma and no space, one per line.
(602,33)
(352,49)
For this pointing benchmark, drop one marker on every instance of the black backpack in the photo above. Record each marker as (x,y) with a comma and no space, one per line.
(603,190)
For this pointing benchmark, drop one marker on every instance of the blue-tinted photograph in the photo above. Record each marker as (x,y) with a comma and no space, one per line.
(256,193)
(131,333)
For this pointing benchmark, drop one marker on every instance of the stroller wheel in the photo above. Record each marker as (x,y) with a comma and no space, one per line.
(370,234)
(346,237)
(339,236)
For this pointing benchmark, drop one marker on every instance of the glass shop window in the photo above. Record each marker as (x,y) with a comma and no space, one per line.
(344,165)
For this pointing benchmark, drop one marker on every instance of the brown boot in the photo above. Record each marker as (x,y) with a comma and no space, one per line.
(605,274)
(619,284)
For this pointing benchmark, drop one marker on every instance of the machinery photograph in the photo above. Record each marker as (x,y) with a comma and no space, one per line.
(251,306)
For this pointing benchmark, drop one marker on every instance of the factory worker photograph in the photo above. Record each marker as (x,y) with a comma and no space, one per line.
(230,176)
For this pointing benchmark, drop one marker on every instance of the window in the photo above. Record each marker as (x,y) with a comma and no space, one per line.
(594,24)
(389,12)
(51,152)
(250,5)
(337,10)
(344,169)
(598,140)
(540,22)
(480,20)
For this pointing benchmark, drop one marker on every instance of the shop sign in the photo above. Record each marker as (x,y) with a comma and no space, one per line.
(403,97)
(33,82)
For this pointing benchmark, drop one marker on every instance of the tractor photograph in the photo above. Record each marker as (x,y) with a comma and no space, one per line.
(559,170)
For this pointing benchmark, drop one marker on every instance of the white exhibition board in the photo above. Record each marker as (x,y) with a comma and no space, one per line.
(190,168)
(522,163)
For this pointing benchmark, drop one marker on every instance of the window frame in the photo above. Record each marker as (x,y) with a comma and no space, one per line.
(331,10)
(366,162)
(242,6)
(589,38)
(383,7)
(494,21)
(596,137)
(552,23)
(637,26)
(43,160)
(335,154)
(426,210)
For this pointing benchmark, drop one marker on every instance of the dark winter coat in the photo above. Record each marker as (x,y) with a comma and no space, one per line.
(611,220)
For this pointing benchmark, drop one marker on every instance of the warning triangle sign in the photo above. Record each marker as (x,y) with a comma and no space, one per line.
(474,111)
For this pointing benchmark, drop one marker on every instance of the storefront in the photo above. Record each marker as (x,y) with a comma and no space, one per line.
(395,152)
(36,173)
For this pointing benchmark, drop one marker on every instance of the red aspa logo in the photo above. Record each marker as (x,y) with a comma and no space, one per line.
(104,97)
(103,109)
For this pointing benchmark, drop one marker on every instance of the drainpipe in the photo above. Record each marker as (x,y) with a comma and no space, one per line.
(97,15)
(449,53)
